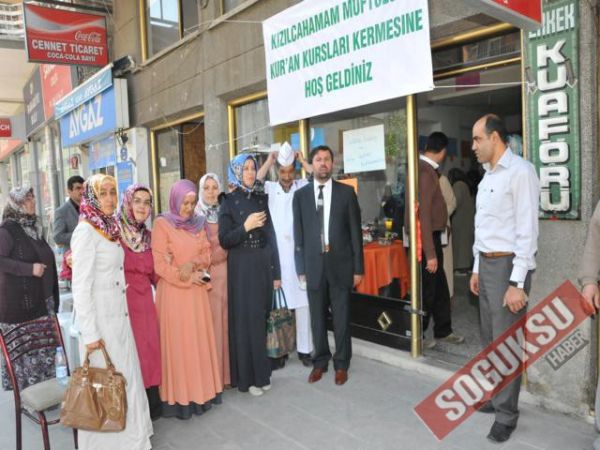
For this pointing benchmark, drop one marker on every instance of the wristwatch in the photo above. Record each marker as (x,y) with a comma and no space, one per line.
(517,284)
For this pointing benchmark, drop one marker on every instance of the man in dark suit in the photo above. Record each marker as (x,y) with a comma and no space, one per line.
(66,217)
(329,259)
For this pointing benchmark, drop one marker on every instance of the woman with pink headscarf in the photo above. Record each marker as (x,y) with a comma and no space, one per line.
(191,379)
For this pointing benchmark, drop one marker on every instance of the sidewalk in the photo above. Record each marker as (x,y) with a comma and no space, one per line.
(374,410)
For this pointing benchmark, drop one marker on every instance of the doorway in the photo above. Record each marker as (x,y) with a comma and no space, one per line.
(178,150)
(453,107)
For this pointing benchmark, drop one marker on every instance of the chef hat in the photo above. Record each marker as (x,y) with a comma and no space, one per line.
(286,155)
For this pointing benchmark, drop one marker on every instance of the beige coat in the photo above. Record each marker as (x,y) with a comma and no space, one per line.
(450,199)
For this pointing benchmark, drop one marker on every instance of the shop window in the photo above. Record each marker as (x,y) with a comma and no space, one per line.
(180,154)
(168,21)
(379,168)
(228,5)
(253,133)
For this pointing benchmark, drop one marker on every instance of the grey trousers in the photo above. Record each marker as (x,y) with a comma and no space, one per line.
(494,275)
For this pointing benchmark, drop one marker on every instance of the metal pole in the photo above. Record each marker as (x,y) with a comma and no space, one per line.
(416,341)
(304,131)
(52,170)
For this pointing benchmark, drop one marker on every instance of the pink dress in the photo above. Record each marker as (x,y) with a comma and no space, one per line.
(139,276)
(218,300)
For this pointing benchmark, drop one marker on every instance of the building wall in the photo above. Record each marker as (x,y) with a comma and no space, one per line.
(225,60)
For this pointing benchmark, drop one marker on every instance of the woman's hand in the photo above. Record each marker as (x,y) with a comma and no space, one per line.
(255,220)
(38,269)
(185,271)
(94,345)
(276,284)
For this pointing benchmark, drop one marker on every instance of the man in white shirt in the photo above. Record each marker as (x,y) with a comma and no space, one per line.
(506,233)
(281,195)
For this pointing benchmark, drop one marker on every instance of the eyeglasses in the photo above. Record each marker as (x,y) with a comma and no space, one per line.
(146,203)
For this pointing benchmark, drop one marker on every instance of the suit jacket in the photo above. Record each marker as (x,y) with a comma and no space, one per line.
(66,219)
(345,236)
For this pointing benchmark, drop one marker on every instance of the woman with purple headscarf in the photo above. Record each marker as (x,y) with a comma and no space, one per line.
(191,378)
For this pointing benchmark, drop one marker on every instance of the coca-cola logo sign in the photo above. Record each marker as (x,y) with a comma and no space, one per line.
(5,127)
(90,38)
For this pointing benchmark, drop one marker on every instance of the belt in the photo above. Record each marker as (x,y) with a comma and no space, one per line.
(254,243)
(496,254)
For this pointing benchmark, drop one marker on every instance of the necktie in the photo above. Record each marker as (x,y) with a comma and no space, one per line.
(321,213)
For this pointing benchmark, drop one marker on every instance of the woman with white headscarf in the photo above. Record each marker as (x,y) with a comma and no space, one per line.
(209,192)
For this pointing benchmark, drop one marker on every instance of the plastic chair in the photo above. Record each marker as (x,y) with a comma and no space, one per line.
(34,400)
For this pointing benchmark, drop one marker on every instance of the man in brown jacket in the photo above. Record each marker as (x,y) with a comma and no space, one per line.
(433,216)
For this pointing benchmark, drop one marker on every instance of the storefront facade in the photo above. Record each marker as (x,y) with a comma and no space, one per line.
(217,73)
(92,121)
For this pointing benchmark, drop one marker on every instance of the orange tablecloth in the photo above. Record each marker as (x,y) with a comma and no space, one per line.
(383,263)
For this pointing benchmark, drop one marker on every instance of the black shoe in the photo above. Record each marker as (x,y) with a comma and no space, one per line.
(500,432)
(305,358)
(487,408)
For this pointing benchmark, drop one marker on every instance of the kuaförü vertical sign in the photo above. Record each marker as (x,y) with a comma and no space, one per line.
(552,70)
(330,55)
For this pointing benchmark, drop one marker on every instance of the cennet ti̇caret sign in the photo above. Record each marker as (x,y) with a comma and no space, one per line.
(330,55)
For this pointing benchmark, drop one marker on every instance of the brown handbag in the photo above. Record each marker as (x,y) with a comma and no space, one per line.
(95,399)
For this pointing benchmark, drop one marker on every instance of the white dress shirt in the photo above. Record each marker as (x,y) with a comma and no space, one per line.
(326,203)
(506,218)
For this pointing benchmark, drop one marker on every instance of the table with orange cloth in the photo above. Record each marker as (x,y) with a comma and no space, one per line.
(383,263)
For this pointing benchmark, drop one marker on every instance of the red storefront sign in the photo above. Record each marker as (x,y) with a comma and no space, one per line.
(56,83)
(526,14)
(65,37)
(527,340)
(5,127)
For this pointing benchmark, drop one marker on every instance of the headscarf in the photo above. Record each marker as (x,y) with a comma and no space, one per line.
(133,233)
(210,212)
(236,170)
(90,210)
(178,192)
(15,211)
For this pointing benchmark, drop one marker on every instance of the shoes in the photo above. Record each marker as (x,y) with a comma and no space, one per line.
(487,408)
(500,432)
(452,339)
(266,387)
(316,374)
(429,344)
(255,391)
(305,359)
(341,376)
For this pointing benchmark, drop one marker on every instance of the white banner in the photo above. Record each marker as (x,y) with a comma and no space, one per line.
(330,55)
(364,149)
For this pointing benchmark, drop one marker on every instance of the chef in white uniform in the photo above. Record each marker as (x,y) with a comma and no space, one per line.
(281,195)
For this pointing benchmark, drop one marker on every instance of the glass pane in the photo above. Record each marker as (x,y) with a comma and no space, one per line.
(162,24)
(496,48)
(375,187)
(254,133)
(189,13)
(169,164)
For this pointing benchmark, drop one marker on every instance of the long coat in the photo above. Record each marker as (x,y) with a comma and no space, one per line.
(101,313)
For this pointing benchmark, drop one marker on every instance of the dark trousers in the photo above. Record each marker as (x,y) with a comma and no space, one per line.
(435,294)
(494,275)
(319,300)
